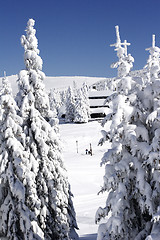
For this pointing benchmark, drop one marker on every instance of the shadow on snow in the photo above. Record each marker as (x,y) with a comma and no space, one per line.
(89,237)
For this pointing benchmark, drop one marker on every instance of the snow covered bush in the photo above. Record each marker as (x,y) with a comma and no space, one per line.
(52,202)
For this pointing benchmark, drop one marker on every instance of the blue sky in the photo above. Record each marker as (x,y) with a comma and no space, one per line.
(74,35)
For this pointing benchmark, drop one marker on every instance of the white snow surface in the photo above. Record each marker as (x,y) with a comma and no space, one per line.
(59,82)
(84,172)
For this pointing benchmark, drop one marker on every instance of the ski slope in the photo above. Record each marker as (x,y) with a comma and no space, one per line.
(60,82)
(84,172)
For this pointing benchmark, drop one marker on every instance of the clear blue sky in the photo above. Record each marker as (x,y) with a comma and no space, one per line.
(74,35)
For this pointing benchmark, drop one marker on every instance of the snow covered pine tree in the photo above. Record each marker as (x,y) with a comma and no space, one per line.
(127,209)
(16,218)
(55,101)
(70,105)
(86,98)
(50,199)
(149,177)
(81,110)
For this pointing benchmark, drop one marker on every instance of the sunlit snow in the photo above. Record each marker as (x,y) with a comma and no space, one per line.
(85,173)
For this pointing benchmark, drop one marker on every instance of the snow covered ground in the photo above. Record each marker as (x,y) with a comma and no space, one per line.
(85,173)
(59,82)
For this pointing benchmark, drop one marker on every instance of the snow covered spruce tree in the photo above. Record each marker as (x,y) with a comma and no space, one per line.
(125,61)
(153,64)
(81,113)
(75,88)
(70,105)
(128,205)
(17,181)
(151,165)
(123,65)
(86,98)
(55,101)
(54,211)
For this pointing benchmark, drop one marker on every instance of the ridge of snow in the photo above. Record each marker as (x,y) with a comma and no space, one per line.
(59,82)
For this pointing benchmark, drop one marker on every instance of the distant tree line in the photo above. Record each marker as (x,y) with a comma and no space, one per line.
(73,103)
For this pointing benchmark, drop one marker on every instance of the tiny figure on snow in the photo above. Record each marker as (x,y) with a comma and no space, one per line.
(86,151)
(90,151)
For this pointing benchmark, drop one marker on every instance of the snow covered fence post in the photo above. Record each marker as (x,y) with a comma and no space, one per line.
(90,149)
(77,145)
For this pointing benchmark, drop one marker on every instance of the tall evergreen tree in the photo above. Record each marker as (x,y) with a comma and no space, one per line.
(55,101)
(86,97)
(75,88)
(149,180)
(17,175)
(132,164)
(70,105)
(81,113)
(55,215)
(129,143)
